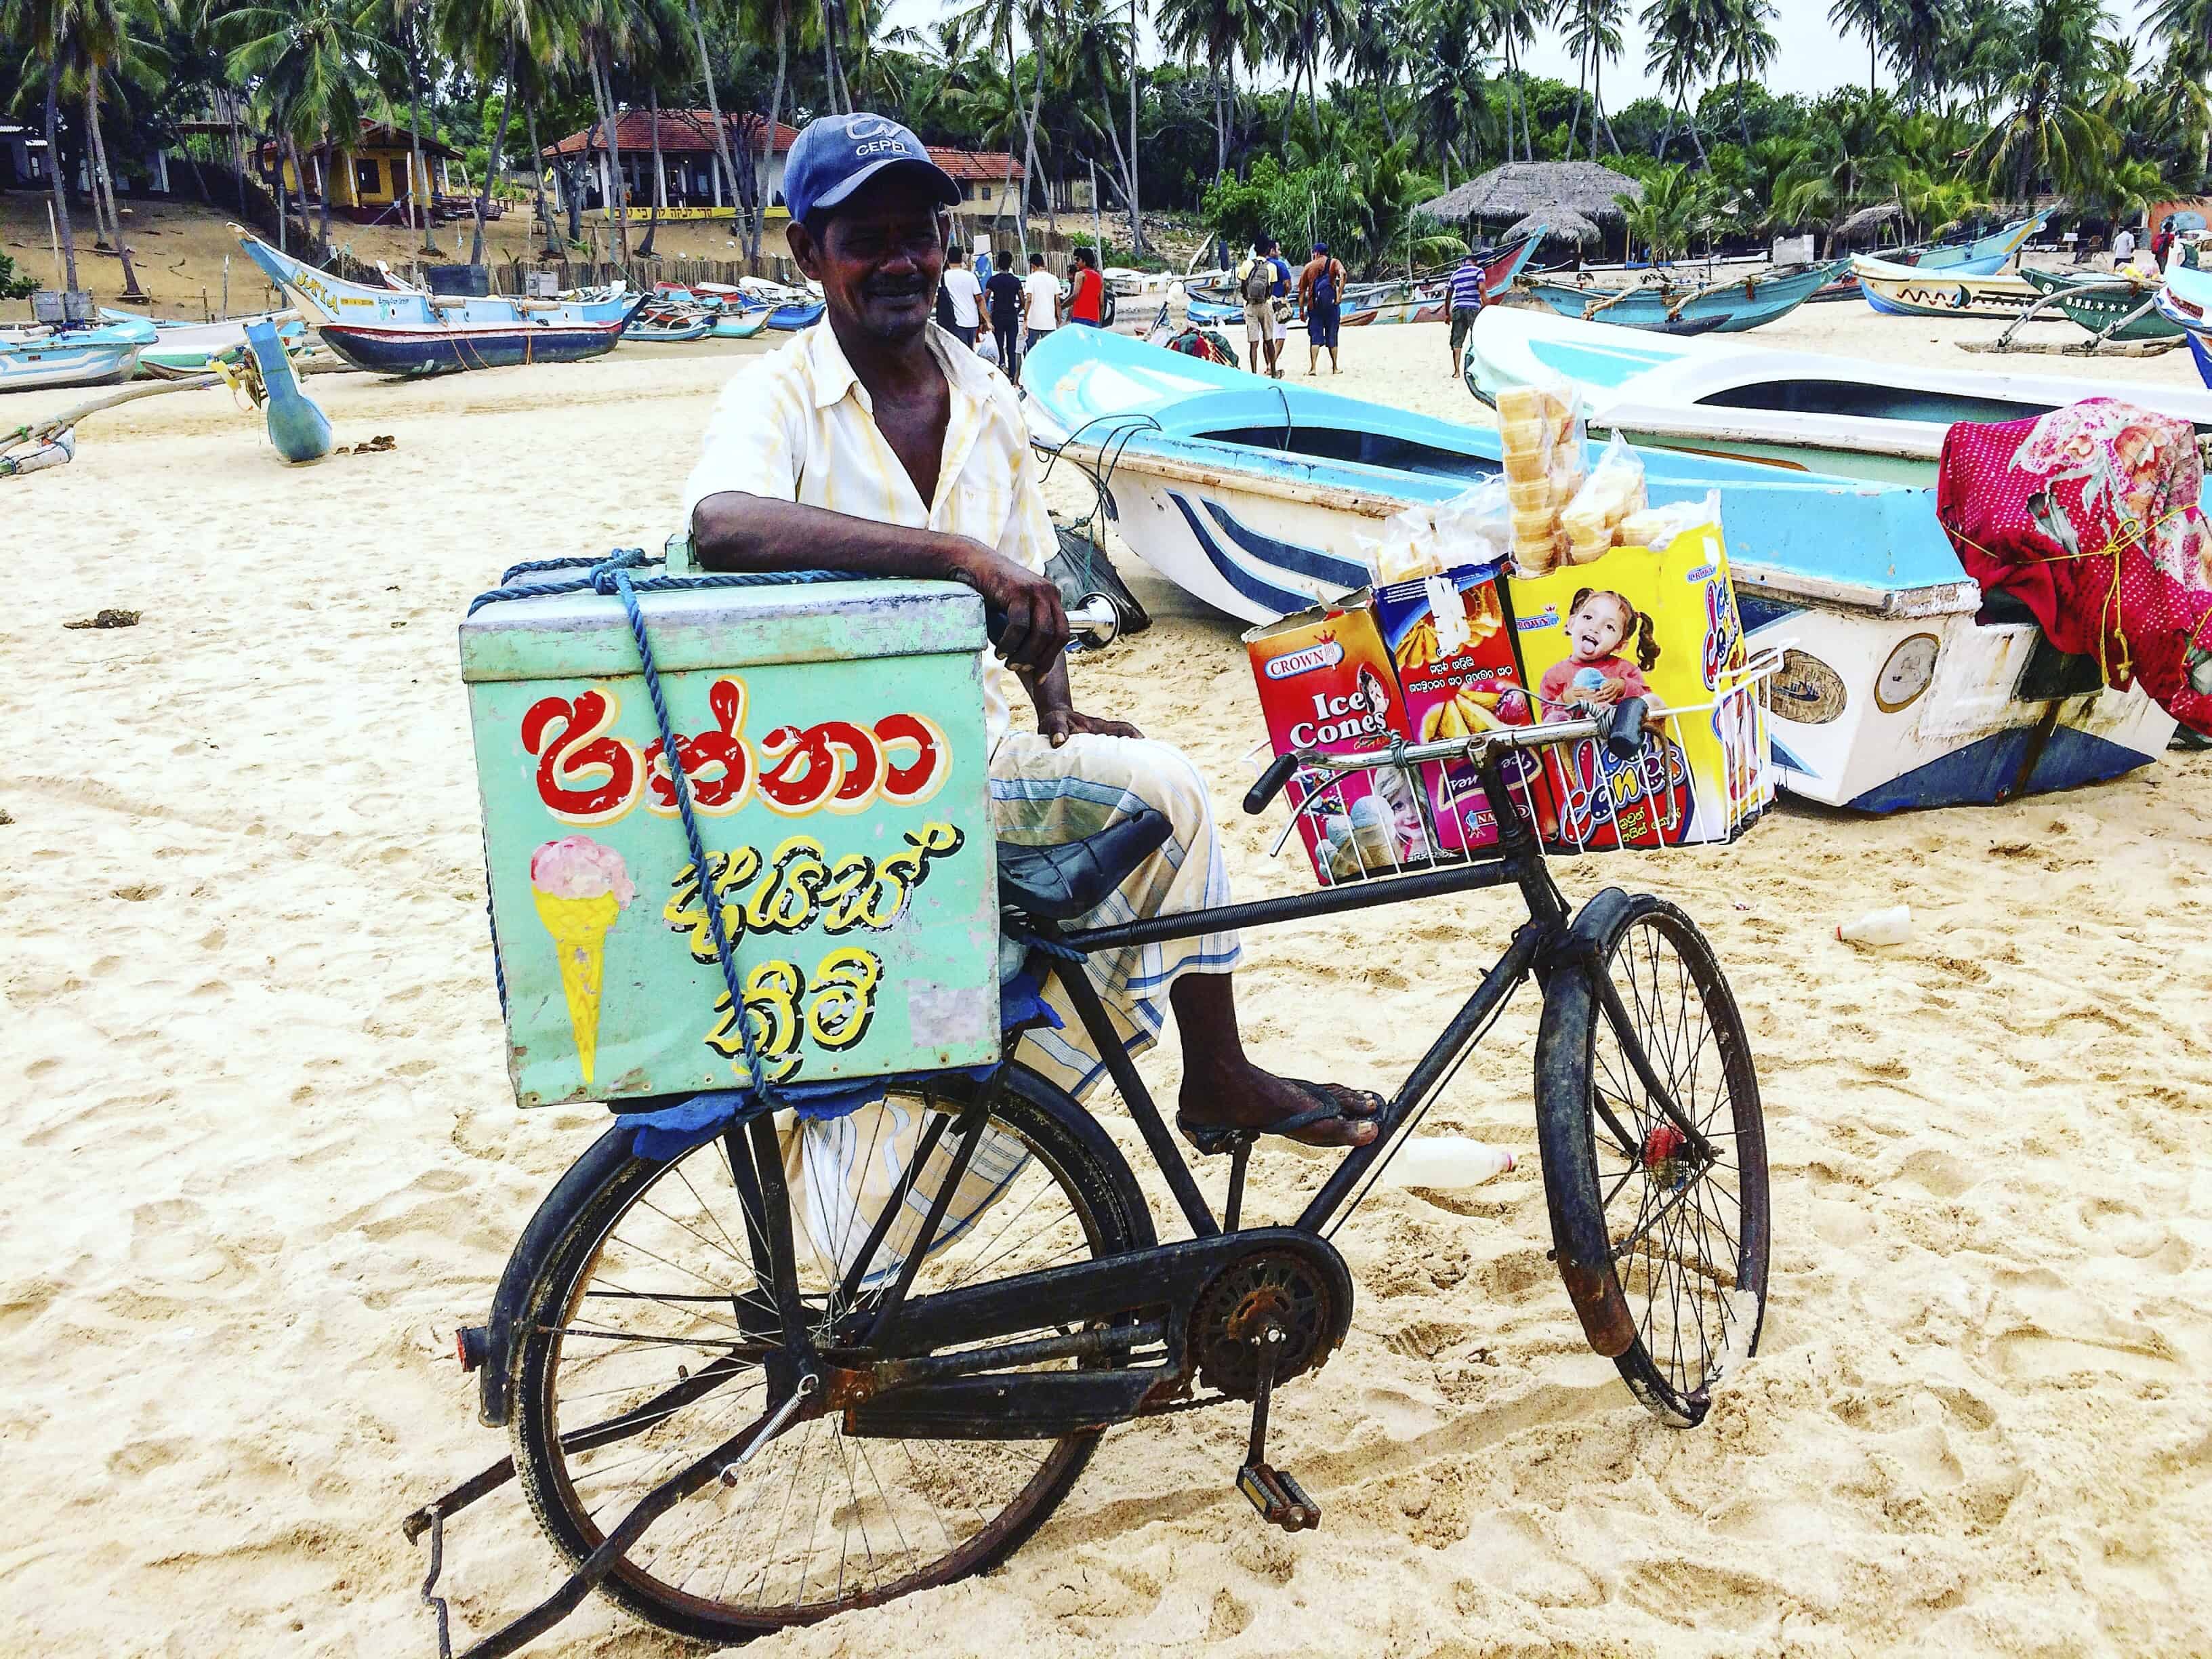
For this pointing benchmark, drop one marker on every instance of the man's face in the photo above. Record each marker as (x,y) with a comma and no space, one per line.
(878,257)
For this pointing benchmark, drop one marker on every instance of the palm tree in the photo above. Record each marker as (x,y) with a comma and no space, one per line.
(1218,30)
(1594,31)
(1918,32)
(112,39)
(765,23)
(1681,36)
(1451,98)
(1749,47)
(2051,127)
(310,56)
(494,37)
(48,26)
(999,24)
(1374,52)
(2185,28)
(1871,16)
(1513,25)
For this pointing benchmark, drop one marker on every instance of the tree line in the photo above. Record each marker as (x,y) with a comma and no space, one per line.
(1335,118)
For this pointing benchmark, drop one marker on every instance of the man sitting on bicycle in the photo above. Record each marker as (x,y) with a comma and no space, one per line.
(876,442)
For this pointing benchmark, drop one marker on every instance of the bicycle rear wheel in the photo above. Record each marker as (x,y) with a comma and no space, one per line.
(1650,1237)
(652,1308)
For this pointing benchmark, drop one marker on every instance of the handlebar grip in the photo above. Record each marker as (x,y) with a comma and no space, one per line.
(1270,784)
(1624,735)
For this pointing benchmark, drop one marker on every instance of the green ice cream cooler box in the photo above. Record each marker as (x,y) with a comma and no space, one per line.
(833,736)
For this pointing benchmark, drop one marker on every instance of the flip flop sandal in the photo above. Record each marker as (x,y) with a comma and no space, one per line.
(1211,1138)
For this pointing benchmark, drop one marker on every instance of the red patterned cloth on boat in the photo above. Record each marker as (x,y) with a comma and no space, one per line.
(2089,516)
(1206,342)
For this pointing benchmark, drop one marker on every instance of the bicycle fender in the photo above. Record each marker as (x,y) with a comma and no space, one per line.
(584,1177)
(1581,1247)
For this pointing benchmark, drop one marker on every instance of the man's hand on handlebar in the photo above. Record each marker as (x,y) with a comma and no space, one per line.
(1035,633)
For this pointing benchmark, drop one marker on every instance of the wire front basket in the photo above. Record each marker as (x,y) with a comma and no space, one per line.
(1700,774)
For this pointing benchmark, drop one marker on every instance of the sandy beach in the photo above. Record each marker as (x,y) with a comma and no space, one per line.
(267,1158)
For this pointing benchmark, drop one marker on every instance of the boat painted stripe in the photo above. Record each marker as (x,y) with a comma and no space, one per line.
(1283,601)
(1988,771)
(1783,757)
(1305,560)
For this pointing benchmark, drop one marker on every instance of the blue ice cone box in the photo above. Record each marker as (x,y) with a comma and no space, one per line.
(833,733)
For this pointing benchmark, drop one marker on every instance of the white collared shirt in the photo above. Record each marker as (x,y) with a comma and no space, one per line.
(797,425)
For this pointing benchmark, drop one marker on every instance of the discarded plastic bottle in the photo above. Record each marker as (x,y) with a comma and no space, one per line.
(1890,927)
(1445,1162)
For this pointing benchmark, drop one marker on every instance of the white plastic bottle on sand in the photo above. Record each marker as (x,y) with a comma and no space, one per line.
(1445,1162)
(1890,927)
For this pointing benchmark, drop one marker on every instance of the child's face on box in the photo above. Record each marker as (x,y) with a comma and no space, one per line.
(1596,627)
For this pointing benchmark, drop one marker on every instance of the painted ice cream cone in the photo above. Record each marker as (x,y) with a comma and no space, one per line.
(581,887)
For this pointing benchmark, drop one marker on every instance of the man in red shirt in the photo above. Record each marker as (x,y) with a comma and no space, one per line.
(1085,305)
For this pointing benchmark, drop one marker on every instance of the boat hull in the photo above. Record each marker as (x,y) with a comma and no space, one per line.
(414,354)
(1885,713)
(743,327)
(2097,308)
(1907,291)
(35,366)
(1762,300)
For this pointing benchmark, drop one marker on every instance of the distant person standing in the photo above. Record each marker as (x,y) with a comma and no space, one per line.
(1003,296)
(2162,244)
(966,295)
(1041,293)
(1086,303)
(1465,306)
(2124,245)
(1321,297)
(1260,280)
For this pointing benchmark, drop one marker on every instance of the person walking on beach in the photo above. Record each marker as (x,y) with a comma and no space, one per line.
(1003,293)
(868,445)
(1321,297)
(1086,303)
(1041,295)
(1465,306)
(966,296)
(1261,280)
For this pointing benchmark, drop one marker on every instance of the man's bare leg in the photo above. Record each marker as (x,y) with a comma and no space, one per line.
(1222,1088)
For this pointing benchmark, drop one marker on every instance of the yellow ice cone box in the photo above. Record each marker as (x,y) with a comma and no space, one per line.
(833,735)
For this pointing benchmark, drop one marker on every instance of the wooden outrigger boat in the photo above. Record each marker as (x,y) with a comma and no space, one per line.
(1906,291)
(1978,256)
(409,334)
(1730,305)
(2112,306)
(1252,495)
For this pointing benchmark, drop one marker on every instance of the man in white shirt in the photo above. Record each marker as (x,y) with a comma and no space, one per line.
(966,296)
(1041,298)
(868,445)
(2123,246)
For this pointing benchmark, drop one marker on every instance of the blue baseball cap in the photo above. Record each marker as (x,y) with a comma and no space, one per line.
(835,154)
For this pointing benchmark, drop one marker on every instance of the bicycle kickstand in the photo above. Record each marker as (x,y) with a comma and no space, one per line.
(1274,1492)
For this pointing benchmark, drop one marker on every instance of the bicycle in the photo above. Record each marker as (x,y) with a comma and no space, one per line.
(935,1370)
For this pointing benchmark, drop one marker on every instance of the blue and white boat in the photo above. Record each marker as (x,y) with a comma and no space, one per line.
(408,334)
(1801,411)
(1253,495)
(36,356)
(2185,300)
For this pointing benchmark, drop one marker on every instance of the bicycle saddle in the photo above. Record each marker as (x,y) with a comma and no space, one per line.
(1061,883)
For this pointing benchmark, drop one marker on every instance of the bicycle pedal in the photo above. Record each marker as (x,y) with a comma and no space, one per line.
(1279,1497)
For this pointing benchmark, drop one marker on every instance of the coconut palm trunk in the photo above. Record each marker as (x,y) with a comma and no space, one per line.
(829,55)
(54,168)
(617,191)
(323,163)
(491,161)
(659,175)
(104,176)
(713,106)
(767,152)
(102,223)
(1136,220)
(422,167)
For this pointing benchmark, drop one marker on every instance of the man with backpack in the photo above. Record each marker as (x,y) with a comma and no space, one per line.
(1260,279)
(1321,297)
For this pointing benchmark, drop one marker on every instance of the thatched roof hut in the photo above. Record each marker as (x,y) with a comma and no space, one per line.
(1866,221)
(1541,189)
(1564,223)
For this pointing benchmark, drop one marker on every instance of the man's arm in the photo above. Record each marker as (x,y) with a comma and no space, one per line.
(1305,286)
(734,531)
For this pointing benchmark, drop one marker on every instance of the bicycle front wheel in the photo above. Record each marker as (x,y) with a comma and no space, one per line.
(1661,1248)
(646,1338)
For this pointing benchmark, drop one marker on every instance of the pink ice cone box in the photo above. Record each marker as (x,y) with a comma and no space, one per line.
(833,734)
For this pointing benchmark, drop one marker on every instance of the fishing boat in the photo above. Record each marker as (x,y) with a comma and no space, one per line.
(740,325)
(410,334)
(96,353)
(1799,410)
(183,350)
(1729,306)
(335,299)
(669,329)
(2113,306)
(1253,495)
(1907,291)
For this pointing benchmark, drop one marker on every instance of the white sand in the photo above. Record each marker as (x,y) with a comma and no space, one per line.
(267,1159)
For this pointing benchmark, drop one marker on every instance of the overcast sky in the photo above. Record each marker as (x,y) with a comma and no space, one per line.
(1814,55)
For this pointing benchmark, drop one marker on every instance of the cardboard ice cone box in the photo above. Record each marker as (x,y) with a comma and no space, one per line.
(833,733)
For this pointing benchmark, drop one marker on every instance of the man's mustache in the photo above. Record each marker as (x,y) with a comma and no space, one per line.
(894,288)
